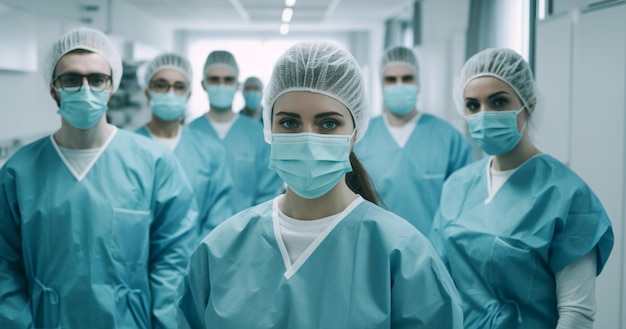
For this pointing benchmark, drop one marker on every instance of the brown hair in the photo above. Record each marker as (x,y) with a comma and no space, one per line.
(359,181)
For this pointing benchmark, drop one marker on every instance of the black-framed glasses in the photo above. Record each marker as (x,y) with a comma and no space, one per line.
(162,86)
(74,81)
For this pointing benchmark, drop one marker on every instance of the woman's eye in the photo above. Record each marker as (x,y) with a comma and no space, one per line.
(330,124)
(500,102)
(472,106)
(288,124)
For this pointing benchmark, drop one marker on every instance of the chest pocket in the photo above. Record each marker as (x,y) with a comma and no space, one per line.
(130,235)
(512,271)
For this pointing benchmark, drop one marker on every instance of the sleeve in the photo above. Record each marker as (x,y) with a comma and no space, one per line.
(194,290)
(575,293)
(461,153)
(585,227)
(172,233)
(15,311)
(423,294)
(219,193)
(270,184)
(436,236)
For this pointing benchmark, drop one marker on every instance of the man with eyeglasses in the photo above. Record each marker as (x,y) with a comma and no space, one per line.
(167,81)
(95,222)
(242,137)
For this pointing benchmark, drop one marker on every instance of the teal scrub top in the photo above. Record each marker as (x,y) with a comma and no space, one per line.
(204,163)
(504,254)
(248,161)
(372,270)
(107,251)
(409,179)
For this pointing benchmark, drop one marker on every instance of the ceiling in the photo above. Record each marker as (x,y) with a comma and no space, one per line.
(241,14)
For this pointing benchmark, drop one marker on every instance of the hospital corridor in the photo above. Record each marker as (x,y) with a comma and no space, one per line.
(313,164)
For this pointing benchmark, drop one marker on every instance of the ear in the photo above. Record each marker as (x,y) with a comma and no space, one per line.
(55,95)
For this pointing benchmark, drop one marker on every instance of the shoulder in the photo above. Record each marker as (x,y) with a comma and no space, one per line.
(233,232)
(28,155)
(439,124)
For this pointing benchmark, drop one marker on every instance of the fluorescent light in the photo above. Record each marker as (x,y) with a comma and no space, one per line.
(284,28)
(290,3)
(287,14)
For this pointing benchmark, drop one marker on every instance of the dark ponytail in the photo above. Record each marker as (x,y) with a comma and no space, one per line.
(359,181)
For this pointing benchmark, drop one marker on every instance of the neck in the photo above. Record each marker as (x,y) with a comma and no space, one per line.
(331,203)
(221,115)
(523,151)
(71,137)
(165,129)
(399,121)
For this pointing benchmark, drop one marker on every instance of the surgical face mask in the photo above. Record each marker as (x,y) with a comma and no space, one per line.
(400,98)
(310,164)
(83,109)
(495,131)
(221,96)
(168,106)
(253,99)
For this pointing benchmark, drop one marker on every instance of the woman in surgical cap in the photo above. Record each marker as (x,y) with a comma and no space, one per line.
(167,81)
(523,236)
(322,255)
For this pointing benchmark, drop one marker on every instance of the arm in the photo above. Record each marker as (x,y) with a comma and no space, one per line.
(461,154)
(575,292)
(171,234)
(195,290)
(423,294)
(15,311)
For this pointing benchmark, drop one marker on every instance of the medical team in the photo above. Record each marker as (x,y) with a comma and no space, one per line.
(315,217)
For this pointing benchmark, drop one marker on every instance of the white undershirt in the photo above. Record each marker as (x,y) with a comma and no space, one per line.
(80,159)
(401,134)
(575,284)
(169,142)
(298,234)
(222,128)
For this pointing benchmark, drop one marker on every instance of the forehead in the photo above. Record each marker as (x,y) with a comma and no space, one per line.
(398,69)
(220,71)
(308,104)
(83,63)
(170,75)
(251,85)
(484,86)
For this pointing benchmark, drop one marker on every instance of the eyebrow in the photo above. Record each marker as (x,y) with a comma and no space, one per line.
(492,95)
(321,115)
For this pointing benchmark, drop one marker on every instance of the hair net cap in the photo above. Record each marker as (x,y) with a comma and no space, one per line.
(168,61)
(399,55)
(501,63)
(319,67)
(87,39)
(223,58)
(255,81)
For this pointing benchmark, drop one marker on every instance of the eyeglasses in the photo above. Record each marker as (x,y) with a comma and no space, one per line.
(162,86)
(74,81)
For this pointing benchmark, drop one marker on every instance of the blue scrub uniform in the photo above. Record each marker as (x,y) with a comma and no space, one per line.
(372,270)
(248,161)
(107,251)
(409,179)
(504,254)
(204,162)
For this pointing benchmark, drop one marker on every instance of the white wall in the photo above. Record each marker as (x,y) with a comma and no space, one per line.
(581,73)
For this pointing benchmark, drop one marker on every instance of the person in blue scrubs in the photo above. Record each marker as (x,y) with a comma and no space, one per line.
(253,96)
(167,81)
(95,222)
(409,153)
(523,236)
(242,137)
(322,255)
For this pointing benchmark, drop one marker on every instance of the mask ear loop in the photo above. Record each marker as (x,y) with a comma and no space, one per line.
(525,120)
